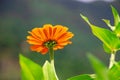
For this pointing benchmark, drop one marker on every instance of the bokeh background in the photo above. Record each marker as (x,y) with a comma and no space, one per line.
(19,16)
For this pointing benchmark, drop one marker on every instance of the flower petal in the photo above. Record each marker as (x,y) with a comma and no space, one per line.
(64,43)
(39,48)
(44,51)
(59,31)
(58,47)
(48,31)
(34,42)
(65,37)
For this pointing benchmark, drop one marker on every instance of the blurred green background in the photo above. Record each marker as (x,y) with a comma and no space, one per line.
(19,16)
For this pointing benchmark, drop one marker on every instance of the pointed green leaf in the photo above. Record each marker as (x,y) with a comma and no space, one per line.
(116,26)
(108,24)
(100,69)
(114,72)
(106,49)
(82,77)
(106,36)
(117,30)
(116,16)
(109,39)
(30,70)
(85,18)
(49,71)
(116,21)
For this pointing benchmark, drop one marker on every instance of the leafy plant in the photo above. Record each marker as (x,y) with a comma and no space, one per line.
(111,44)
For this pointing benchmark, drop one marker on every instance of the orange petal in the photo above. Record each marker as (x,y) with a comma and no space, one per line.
(38,48)
(64,43)
(65,37)
(34,42)
(33,39)
(59,31)
(43,35)
(48,31)
(33,35)
(34,47)
(44,50)
(58,47)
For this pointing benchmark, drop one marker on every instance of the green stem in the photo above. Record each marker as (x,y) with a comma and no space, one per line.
(51,53)
(112,60)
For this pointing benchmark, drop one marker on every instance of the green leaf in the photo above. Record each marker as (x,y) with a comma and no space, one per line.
(116,26)
(49,71)
(30,70)
(106,36)
(116,16)
(106,49)
(114,72)
(82,77)
(99,68)
(85,18)
(117,30)
(108,24)
(116,21)
(109,39)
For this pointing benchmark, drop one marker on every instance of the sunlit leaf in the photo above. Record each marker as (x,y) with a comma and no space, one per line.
(49,71)
(116,16)
(99,68)
(114,72)
(106,49)
(81,77)
(109,39)
(30,70)
(108,24)
(116,26)
(117,30)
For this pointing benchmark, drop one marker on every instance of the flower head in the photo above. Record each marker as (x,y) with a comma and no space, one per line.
(41,39)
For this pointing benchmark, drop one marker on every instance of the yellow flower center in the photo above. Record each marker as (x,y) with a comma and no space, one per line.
(50,44)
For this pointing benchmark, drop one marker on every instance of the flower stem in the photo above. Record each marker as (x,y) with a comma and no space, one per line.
(112,60)
(51,53)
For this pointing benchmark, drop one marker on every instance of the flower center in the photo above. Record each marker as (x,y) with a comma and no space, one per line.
(50,44)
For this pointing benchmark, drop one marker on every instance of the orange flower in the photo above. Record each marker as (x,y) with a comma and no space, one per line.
(49,36)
